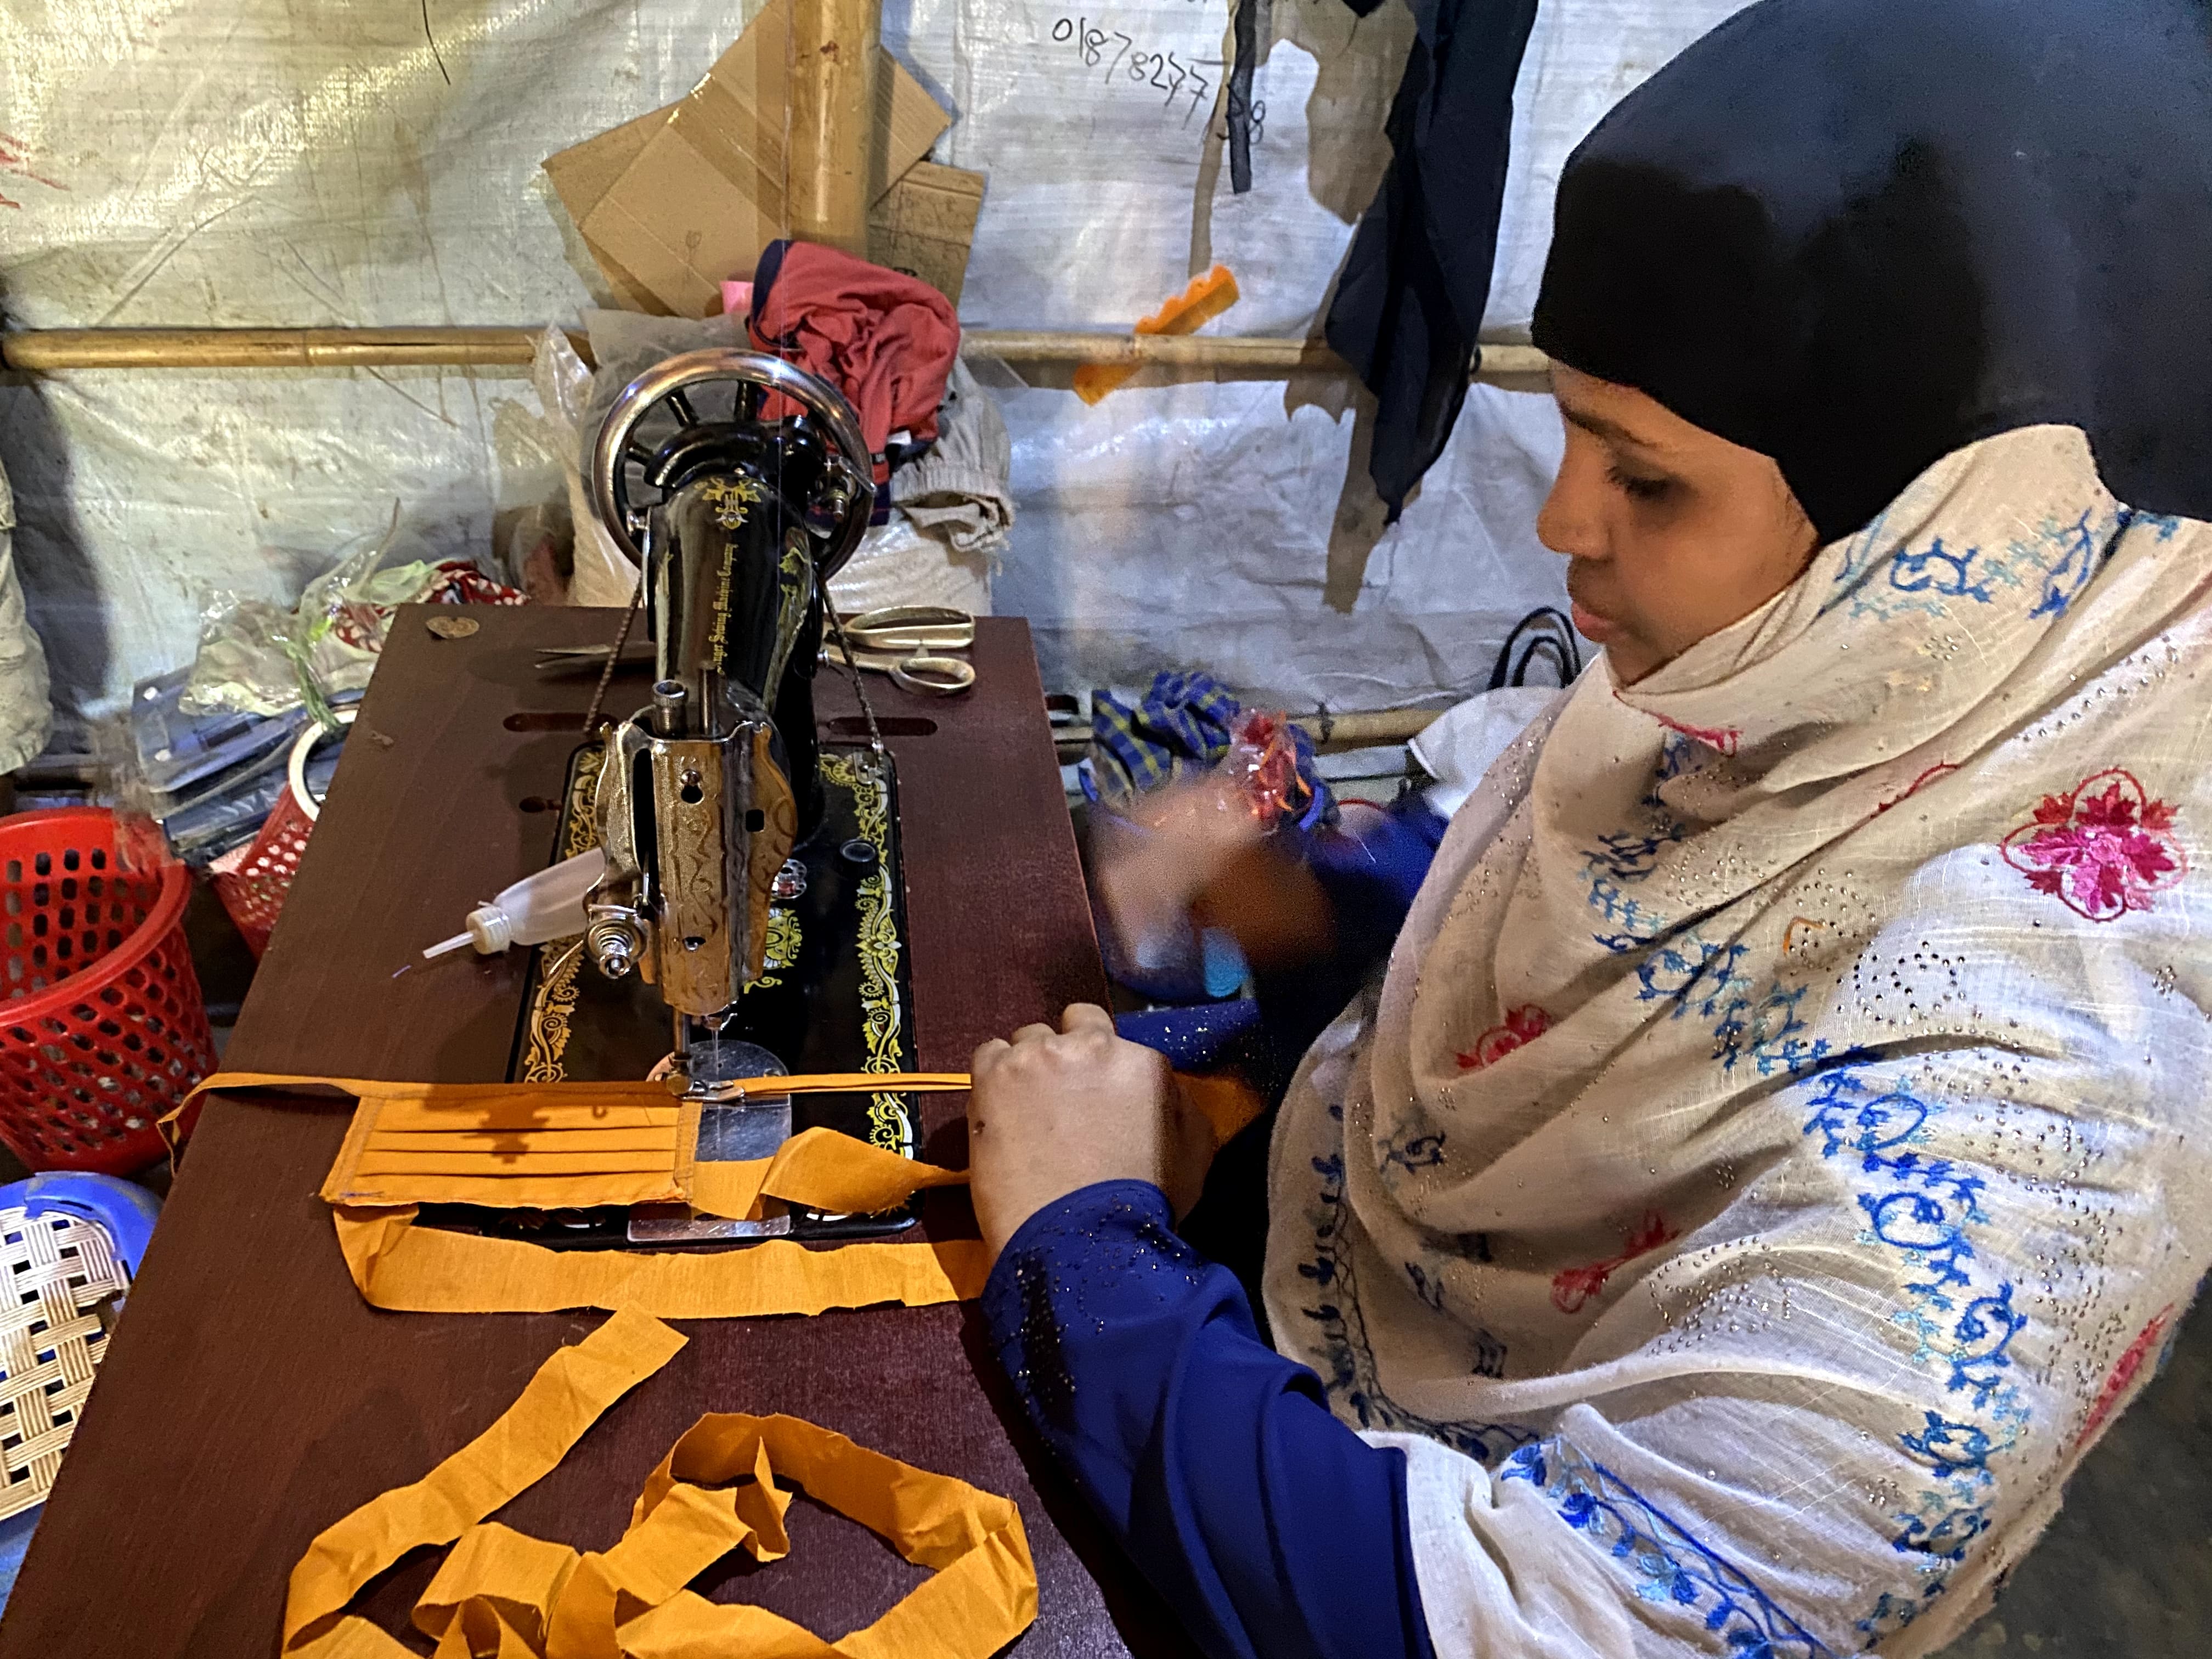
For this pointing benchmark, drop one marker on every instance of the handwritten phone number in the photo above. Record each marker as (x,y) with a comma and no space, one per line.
(1160,70)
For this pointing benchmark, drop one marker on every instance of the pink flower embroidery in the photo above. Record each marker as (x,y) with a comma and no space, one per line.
(2123,1373)
(1521,1025)
(1574,1286)
(2100,852)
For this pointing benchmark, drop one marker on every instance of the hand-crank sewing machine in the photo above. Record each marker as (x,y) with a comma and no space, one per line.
(750,900)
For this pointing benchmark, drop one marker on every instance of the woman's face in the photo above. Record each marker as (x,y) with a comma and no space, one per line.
(1671,532)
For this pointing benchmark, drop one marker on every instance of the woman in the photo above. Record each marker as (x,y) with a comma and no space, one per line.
(1776,1149)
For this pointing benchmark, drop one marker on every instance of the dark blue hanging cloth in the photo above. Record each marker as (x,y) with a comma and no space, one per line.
(1414,286)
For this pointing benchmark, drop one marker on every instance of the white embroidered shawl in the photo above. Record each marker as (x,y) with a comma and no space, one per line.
(1779,1143)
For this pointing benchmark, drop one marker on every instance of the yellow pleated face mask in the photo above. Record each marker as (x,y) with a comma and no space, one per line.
(588,1144)
(503,1593)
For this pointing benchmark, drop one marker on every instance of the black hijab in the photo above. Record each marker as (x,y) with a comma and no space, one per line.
(1857,235)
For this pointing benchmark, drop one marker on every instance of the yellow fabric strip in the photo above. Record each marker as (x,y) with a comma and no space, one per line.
(520,1192)
(524,1444)
(984,1592)
(493,1166)
(543,1105)
(822,1169)
(646,1138)
(404,1114)
(503,1593)
(518,1575)
(410,1269)
(1227,1101)
(517,1101)
(846,1083)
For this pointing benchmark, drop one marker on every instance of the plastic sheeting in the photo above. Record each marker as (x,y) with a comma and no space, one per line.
(25,709)
(253,162)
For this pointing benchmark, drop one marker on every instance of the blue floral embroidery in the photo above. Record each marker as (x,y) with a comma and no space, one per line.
(1624,858)
(1758,1028)
(2084,548)
(1699,977)
(1939,570)
(1421,1153)
(1489,1351)
(1990,1321)
(2053,564)
(1963,1323)
(1349,1373)
(1638,924)
(1880,581)
(1669,1566)
(2082,553)
(1950,1448)
(1859,558)
(1765,1032)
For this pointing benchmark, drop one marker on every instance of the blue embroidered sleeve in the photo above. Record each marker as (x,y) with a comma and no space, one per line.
(1271,1527)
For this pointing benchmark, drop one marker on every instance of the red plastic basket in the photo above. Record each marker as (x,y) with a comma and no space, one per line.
(102,1027)
(251,883)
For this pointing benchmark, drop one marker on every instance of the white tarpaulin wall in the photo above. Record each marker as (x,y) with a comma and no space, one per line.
(244,162)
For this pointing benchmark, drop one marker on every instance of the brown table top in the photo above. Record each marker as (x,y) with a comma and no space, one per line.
(249,1397)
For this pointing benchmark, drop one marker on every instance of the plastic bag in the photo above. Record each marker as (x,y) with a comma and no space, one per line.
(599,575)
(258,657)
(897,564)
(1263,762)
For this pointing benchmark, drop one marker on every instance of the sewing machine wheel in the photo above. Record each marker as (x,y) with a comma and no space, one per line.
(625,469)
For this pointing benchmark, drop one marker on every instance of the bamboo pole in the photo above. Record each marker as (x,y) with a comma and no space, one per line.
(1332,734)
(56,350)
(52,350)
(833,48)
(1362,731)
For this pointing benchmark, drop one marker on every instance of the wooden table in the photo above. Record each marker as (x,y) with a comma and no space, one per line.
(250,1398)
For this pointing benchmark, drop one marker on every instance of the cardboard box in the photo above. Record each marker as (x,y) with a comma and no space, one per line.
(674,202)
(586,172)
(923,225)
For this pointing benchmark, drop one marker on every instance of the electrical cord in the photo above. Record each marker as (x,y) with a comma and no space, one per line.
(1551,635)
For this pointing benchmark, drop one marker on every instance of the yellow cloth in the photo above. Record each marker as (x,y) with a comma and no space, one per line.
(503,1593)
(383,1172)
(410,1269)
(822,1169)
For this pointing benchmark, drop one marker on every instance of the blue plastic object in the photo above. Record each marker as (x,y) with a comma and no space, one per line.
(126,1210)
(126,1213)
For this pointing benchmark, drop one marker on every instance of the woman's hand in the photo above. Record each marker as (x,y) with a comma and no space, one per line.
(1053,1112)
(1201,856)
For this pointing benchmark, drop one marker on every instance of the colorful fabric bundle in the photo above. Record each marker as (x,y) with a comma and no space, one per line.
(1186,724)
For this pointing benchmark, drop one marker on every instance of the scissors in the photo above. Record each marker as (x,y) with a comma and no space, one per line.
(557,659)
(907,642)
